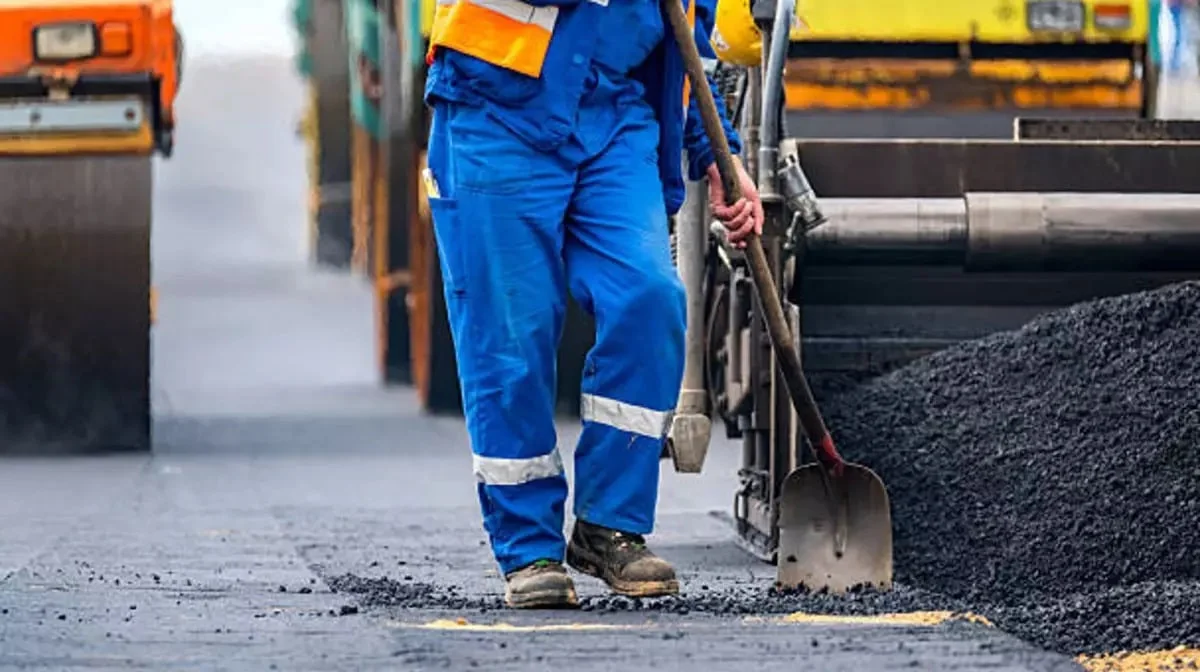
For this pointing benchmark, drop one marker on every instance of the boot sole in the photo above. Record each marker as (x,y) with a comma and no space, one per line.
(543,599)
(581,563)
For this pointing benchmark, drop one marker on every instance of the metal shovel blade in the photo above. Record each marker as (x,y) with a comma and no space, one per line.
(834,537)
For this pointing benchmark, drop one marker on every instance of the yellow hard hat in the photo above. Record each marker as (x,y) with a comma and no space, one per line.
(735,37)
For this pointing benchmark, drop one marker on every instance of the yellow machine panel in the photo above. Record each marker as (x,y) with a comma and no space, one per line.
(931,55)
(999,21)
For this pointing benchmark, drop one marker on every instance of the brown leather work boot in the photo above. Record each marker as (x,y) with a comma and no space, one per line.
(621,560)
(541,585)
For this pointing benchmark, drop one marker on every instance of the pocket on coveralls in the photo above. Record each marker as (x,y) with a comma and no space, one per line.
(489,157)
(496,84)
(448,236)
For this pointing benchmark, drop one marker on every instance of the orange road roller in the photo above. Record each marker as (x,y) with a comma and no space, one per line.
(87,93)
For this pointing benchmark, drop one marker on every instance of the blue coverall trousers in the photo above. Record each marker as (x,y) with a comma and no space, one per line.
(516,228)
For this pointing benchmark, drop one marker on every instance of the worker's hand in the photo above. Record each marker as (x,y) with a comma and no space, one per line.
(742,218)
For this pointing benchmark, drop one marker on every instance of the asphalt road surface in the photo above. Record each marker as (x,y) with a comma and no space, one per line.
(281,467)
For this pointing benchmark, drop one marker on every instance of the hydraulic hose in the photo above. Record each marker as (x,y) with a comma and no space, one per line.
(777,47)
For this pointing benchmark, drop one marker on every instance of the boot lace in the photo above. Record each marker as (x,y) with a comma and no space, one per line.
(634,544)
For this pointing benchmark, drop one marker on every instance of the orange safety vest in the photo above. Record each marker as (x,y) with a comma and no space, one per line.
(687,83)
(507,33)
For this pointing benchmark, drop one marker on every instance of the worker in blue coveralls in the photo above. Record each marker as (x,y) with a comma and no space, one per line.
(555,157)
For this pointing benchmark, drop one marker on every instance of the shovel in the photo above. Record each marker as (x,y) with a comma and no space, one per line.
(835,521)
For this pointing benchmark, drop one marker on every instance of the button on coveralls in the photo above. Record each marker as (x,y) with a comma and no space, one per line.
(522,216)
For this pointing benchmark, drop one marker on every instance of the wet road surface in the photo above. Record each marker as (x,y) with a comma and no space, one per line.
(281,465)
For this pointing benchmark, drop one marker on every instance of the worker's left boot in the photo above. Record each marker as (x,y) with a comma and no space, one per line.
(621,560)
(540,585)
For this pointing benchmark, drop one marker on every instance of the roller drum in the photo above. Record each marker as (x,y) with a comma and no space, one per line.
(888,231)
(1013,232)
(1083,232)
(74,303)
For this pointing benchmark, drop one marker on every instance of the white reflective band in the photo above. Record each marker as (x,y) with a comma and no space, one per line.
(515,471)
(710,65)
(542,17)
(625,417)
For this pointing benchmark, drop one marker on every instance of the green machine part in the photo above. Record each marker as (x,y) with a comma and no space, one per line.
(302,16)
(363,39)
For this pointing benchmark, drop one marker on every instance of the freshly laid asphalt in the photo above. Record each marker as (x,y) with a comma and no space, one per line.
(297,516)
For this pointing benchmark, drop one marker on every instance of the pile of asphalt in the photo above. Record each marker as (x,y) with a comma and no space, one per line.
(1050,476)
(1152,616)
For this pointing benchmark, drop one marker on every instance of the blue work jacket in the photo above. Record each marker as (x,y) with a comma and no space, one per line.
(542,111)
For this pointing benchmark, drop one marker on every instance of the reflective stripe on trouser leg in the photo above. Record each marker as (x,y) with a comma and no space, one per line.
(619,267)
(505,295)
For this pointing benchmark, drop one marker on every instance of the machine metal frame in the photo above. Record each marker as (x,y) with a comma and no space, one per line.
(927,243)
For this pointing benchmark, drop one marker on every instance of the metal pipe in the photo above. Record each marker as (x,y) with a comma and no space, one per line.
(738,370)
(1083,232)
(693,236)
(1014,232)
(691,428)
(752,122)
(927,231)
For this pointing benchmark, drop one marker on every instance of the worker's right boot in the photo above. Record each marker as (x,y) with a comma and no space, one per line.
(544,584)
(621,560)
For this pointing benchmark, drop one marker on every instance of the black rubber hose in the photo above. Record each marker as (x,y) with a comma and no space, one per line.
(772,113)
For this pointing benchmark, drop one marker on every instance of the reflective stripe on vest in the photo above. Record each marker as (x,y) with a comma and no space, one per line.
(507,33)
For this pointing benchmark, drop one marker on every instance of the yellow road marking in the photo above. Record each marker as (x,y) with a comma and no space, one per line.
(466,626)
(1179,658)
(918,618)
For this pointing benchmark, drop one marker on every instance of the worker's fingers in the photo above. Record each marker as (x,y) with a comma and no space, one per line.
(741,220)
(726,213)
(745,212)
(743,230)
(739,228)
(744,240)
(731,213)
